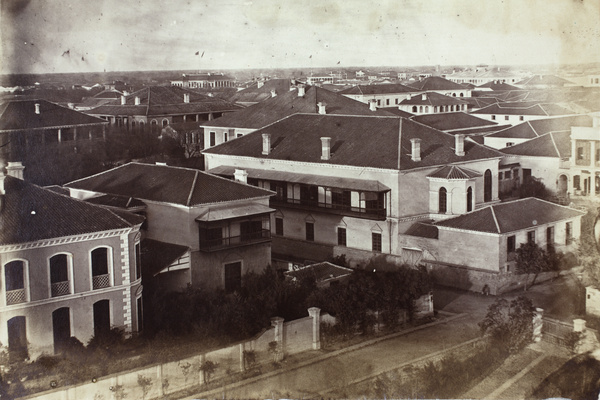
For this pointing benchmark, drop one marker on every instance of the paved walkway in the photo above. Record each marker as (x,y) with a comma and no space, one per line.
(331,372)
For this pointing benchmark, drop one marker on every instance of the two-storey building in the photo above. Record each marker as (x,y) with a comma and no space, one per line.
(351,185)
(68,268)
(205,231)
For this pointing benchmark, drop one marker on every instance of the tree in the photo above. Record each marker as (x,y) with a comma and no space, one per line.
(533,187)
(509,324)
(532,259)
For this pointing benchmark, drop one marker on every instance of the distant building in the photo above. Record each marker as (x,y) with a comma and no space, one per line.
(441,86)
(517,112)
(155,107)
(585,159)
(68,268)
(324,274)
(482,76)
(432,103)
(208,80)
(261,91)
(385,95)
(28,124)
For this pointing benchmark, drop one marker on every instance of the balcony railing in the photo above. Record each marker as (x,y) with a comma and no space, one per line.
(379,213)
(232,241)
(15,296)
(60,289)
(100,281)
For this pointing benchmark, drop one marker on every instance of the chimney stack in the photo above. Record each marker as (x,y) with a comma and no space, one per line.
(260,84)
(266,144)
(186,97)
(240,175)
(325,148)
(2,190)
(137,100)
(301,91)
(415,150)
(408,96)
(37,108)
(15,169)
(273,93)
(123,100)
(322,107)
(459,145)
(424,96)
(373,105)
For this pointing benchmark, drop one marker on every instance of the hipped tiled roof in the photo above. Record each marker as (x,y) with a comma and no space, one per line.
(452,120)
(378,142)
(454,172)
(539,127)
(161,183)
(553,144)
(511,216)
(21,115)
(30,213)
(436,83)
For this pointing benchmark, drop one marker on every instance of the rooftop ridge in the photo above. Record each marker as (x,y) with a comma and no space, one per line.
(495,219)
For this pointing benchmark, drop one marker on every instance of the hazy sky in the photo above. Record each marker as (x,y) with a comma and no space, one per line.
(95,35)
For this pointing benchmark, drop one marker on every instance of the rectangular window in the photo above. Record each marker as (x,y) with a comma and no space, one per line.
(341,199)
(225,136)
(577,182)
(279,226)
(397,101)
(569,233)
(138,261)
(387,102)
(310,231)
(511,244)
(521,118)
(531,237)
(507,175)
(493,117)
(250,230)
(506,117)
(500,175)
(233,277)
(376,241)
(212,139)
(341,236)
(550,237)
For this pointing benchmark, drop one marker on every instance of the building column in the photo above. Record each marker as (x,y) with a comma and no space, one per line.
(74,134)
(242,358)
(315,314)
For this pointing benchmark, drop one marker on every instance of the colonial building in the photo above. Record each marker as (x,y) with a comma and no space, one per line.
(28,124)
(441,86)
(262,90)
(481,76)
(384,95)
(303,100)
(584,163)
(155,107)
(516,112)
(208,80)
(500,229)
(205,231)
(351,184)
(432,103)
(68,268)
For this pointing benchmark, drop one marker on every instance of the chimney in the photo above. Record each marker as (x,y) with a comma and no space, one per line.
(137,100)
(273,93)
(125,93)
(373,105)
(424,96)
(325,148)
(415,149)
(186,97)
(123,100)
(301,91)
(240,175)
(408,97)
(37,108)
(2,190)
(322,107)
(266,144)
(15,169)
(459,145)
(260,84)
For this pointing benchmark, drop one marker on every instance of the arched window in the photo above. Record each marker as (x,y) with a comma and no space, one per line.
(443,205)
(15,282)
(101,268)
(487,186)
(59,275)
(414,109)
(420,109)
(165,122)
(101,317)
(469,199)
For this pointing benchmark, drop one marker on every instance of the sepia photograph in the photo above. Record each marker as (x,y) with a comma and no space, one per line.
(299,199)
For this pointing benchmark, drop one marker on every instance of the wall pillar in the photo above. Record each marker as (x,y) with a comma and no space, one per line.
(315,314)
(201,371)
(74,134)
(59,134)
(242,358)
(537,324)
(579,325)
(277,323)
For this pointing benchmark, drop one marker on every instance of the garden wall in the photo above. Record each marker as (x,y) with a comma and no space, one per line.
(163,379)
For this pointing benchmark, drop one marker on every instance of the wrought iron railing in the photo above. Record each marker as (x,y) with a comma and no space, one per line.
(100,281)
(60,289)
(231,241)
(339,209)
(15,296)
